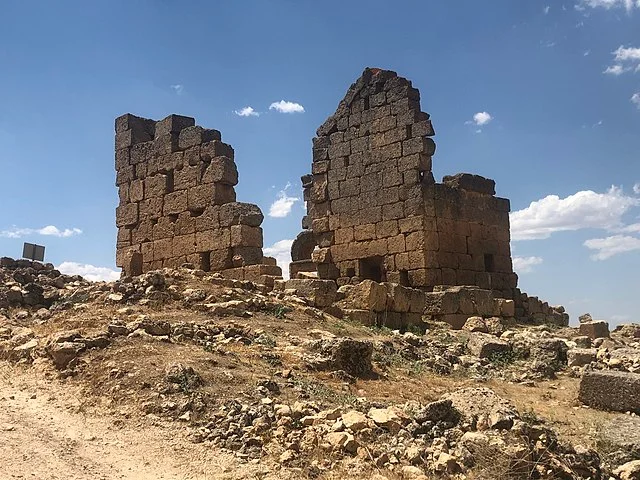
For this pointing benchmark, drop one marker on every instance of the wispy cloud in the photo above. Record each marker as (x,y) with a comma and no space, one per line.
(625,59)
(90,272)
(282,206)
(635,99)
(608,247)
(49,230)
(525,264)
(546,9)
(584,209)
(608,4)
(284,106)
(178,88)
(281,251)
(636,188)
(247,112)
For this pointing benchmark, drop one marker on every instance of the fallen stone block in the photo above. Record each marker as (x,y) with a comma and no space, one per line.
(594,329)
(368,295)
(486,346)
(321,293)
(347,354)
(579,357)
(611,390)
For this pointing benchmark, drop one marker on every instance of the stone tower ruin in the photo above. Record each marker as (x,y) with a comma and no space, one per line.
(178,203)
(374,210)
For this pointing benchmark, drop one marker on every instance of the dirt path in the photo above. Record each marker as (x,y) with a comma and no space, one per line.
(43,436)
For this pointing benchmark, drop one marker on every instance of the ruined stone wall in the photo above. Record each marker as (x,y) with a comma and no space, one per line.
(177,199)
(375,210)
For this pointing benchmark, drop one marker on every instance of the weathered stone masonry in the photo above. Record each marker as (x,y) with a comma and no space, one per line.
(375,211)
(178,203)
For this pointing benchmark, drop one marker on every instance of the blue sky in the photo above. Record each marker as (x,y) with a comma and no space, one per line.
(542,96)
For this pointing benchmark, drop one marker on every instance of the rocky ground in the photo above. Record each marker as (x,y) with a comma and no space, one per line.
(182,374)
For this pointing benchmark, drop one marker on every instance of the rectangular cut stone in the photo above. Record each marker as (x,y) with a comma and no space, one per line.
(246,236)
(173,124)
(127,215)
(221,170)
(610,390)
(175,203)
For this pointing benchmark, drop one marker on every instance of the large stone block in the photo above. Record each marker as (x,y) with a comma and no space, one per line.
(246,236)
(127,215)
(173,124)
(195,135)
(221,170)
(595,329)
(368,295)
(238,213)
(610,390)
(483,345)
(321,293)
(175,203)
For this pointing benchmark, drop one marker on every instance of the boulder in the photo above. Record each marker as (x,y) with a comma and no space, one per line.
(347,354)
(628,471)
(486,346)
(610,390)
(484,407)
(622,437)
(355,421)
(475,324)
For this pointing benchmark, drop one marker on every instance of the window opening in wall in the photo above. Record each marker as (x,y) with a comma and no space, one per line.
(404,278)
(372,268)
(205,264)
(489,263)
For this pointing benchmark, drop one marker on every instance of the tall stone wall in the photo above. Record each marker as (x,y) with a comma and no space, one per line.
(177,200)
(374,207)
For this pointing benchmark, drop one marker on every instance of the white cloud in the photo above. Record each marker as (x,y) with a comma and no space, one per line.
(626,59)
(247,112)
(546,9)
(178,88)
(525,264)
(481,118)
(49,230)
(615,70)
(283,204)
(608,247)
(608,4)
(586,53)
(286,107)
(281,250)
(584,209)
(636,188)
(635,99)
(90,272)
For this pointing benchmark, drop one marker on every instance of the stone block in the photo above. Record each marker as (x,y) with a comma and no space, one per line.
(199,197)
(132,122)
(175,203)
(220,259)
(173,124)
(184,244)
(163,249)
(368,295)
(246,236)
(136,191)
(223,194)
(188,176)
(165,144)
(127,215)
(151,208)
(211,150)
(321,293)
(156,186)
(483,345)
(474,183)
(213,240)
(579,357)
(303,245)
(195,135)
(595,329)
(238,213)
(221,170)
(610,390)
(242,256)
(399,298)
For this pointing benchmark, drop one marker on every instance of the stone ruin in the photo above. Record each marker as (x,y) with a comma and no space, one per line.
(178,203)
(436,251)
(375,212)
